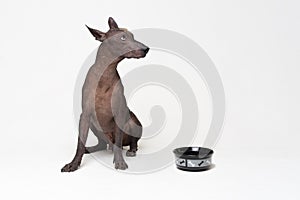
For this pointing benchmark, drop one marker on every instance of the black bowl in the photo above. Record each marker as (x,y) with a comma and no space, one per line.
(193,158)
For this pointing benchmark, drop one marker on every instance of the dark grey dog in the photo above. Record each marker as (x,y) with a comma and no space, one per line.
(104,107)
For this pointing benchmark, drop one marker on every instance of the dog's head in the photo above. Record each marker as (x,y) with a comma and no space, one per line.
(119,41)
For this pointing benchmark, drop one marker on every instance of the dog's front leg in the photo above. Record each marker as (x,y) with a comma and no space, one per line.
(117,149)
(82,137)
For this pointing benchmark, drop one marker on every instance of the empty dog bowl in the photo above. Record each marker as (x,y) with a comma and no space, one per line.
(193,158)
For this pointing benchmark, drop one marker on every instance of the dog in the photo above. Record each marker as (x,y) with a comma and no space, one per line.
(104,107)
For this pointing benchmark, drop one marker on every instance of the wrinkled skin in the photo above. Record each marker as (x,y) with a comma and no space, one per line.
(104,107)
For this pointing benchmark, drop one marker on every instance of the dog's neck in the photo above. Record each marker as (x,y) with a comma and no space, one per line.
(106,65)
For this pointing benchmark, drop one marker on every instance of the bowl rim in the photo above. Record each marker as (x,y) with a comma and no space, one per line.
(180,152)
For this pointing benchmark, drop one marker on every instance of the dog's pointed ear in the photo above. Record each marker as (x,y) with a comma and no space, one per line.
(112,24)
(97,34)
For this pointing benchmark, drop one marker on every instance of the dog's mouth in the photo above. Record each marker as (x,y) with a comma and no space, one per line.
(141,53)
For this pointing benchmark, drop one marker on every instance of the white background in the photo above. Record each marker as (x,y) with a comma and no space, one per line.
(255,46)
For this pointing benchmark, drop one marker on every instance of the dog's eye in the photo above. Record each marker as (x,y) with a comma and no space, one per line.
(123,38)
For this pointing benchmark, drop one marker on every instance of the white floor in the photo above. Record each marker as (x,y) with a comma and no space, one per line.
(253,176)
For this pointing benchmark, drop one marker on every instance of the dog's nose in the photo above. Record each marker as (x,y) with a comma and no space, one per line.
(146,50)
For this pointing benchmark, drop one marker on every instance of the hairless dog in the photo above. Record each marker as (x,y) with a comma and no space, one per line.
(104,107)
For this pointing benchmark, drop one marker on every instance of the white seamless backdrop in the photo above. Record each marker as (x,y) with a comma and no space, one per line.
(255,46)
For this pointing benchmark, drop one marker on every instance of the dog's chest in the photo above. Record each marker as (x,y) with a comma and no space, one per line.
(108,96)
(103,97)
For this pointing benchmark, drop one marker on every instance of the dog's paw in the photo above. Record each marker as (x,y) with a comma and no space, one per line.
(70,167)
(130,153)
(121,165)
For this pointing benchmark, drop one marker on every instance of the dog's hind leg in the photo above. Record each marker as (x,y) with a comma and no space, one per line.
(99,147)
(82,137)
(102,144)
(132,147)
